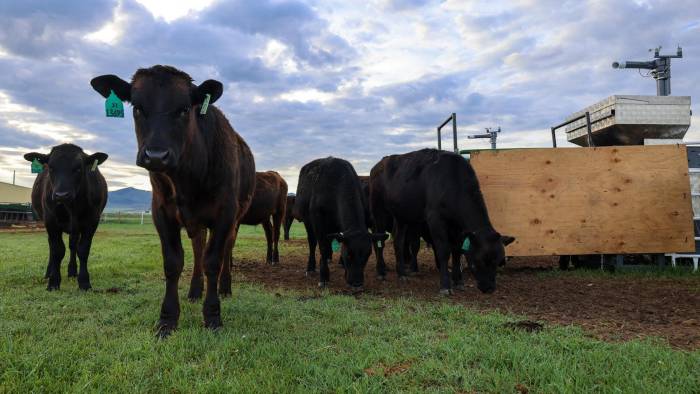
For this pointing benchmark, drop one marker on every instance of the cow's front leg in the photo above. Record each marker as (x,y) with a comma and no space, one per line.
(324,246)
(400,249)
(73,240)
(197,281)
(57,249)
(311,237)
(226,266)
(442,250)
(216,249)
(83,250)
(173,260)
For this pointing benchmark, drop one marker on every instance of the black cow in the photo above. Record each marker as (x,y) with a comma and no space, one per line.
(440,190)
(69,196)
(329,202)
(202,173)
(268,208)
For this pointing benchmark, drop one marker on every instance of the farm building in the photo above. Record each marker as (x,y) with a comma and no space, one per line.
(15,204)
(15,194)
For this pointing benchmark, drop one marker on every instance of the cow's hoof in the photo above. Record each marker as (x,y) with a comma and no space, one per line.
(273,263)
(458,286)
(445,292)
(164,330)
(311,273)
(357,289)
(84,286)
(225,293)
(52,287)
(381,277)
(403,278)
(213,323)
(72,274)
(194,295)
(323,285)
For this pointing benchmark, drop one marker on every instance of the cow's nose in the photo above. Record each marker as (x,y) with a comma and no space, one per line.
(61,196)
(157,157)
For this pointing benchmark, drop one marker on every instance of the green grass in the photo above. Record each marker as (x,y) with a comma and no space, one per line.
(283,341)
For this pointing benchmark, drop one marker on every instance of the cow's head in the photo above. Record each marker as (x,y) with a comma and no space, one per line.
(67,166)
(166,106)
(486,253)
(354,253)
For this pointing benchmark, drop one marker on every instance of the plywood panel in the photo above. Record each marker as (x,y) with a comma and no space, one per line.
(556,201)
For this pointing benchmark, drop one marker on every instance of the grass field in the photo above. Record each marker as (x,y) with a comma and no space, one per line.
(283,341)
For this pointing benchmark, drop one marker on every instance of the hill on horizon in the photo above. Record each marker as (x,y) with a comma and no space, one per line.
(128,199)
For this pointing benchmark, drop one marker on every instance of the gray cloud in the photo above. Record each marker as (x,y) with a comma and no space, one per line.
(524,67)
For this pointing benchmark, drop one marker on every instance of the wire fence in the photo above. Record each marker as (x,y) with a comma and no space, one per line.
(127,217)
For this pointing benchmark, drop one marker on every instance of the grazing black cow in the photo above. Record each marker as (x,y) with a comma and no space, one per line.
(329,202)
(289,215)
(440,190)
(69,196)
(202,173)
(269,202)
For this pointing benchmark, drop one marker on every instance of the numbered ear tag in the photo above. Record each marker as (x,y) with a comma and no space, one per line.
(114,106)
(94,166)
(37,168)
(466,244)
(379,244)
(335,245)
(205,105)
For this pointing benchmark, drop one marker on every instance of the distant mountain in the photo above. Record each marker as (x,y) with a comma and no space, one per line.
(128,199)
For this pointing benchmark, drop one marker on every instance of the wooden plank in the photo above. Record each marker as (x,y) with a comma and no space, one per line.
(559,201)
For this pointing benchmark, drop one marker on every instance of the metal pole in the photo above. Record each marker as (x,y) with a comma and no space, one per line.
(454,131)
(554,138)
(588,127)
(14,172)
(439,139)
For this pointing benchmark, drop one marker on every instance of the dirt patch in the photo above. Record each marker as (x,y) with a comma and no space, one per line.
(610,308)
(524,325)
(388,370)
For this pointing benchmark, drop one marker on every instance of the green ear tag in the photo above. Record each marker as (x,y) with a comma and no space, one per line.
(335,245)
(94,166)
(37,167)
(114,106)
(466,244)
(379,244)
(205,105)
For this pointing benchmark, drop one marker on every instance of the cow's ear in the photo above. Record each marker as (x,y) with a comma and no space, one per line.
(104,84)
(339,236)
(507,240)
(98,157)
(379,236)
(40,157)
(211,87)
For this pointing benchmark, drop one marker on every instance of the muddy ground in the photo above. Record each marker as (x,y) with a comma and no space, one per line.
(609,307)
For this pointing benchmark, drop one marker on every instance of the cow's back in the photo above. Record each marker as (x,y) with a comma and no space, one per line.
(323,184)
(270,189)
(428,180)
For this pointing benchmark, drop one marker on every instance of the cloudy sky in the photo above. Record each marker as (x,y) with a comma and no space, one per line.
(353,79)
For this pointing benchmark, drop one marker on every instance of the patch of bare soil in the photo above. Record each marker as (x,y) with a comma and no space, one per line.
(609,308)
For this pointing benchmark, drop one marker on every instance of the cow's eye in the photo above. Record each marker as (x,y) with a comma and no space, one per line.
(184,112)
(138,111)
